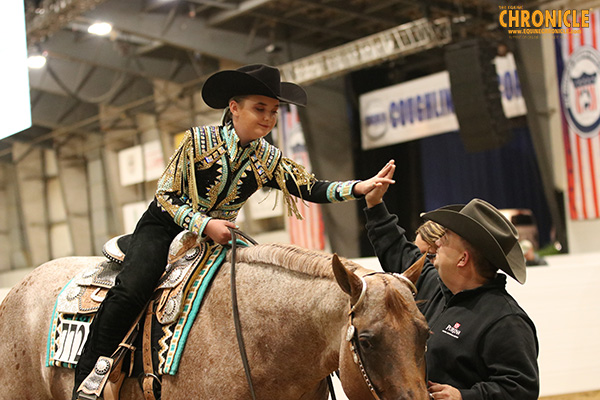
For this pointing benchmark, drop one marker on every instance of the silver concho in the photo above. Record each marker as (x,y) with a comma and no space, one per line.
(174,275)
(350,333)
(90,272)
(170,307)
(192,253)
(74,292)
(102,367)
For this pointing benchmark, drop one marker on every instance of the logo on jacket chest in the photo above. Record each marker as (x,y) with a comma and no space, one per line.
(453,330)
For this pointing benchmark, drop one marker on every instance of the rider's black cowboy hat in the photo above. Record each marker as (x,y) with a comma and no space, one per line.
(482,225)
(255,79)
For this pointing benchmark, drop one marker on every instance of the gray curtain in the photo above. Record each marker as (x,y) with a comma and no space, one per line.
(329,144)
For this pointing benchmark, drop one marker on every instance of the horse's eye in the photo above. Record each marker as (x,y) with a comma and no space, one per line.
(365,340)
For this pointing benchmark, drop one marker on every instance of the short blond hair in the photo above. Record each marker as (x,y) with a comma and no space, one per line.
(430,232)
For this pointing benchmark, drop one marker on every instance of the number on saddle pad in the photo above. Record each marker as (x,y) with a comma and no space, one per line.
(72,338)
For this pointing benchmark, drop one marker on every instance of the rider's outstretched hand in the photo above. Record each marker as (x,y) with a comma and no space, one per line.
(375,188)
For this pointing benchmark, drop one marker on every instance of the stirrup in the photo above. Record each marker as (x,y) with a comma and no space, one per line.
(91,388)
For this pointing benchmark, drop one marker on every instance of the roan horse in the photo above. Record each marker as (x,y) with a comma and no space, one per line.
(295,320)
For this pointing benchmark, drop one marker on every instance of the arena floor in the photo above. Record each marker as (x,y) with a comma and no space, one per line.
(595,395)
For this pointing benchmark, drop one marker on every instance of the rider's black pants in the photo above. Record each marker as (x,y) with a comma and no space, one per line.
(143,266)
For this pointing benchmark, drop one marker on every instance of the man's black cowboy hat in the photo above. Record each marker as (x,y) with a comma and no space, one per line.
(255,79)
(482,225)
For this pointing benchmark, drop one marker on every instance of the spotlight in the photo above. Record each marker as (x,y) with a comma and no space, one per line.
(272,48)
(100,28)
(36,61)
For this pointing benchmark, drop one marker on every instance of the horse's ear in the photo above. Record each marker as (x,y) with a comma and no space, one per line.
(348,280)
(415,270)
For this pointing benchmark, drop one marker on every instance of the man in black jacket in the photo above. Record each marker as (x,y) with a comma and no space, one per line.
(483,345)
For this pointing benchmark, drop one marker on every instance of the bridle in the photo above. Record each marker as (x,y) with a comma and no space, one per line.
(352,334)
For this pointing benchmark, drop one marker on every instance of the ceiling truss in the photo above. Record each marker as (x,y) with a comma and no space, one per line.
(184,41)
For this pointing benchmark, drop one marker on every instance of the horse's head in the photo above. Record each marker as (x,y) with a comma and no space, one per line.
(382,355)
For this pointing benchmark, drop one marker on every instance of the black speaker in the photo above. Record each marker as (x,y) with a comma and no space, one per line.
(476,96)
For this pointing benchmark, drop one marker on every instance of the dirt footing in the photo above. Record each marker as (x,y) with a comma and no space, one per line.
(595,395)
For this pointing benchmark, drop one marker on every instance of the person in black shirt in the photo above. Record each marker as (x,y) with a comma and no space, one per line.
(483,345)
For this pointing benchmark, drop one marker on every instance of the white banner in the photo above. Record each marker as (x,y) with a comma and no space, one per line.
(423,107)
(141,163)
(154,162)
(131,165)
(513,101)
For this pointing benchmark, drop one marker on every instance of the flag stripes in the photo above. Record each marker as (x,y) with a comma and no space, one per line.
(309,232)
(582,149)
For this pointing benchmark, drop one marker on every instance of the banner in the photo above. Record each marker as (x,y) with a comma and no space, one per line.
(308,233)
(578,61)
(423,107)
(131,165)
(141,163)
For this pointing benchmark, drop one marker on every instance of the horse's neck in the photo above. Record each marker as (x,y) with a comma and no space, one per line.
(311,311)
(327,310)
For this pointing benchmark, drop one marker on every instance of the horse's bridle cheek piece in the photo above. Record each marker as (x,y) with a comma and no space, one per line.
(352,334)
(352,339)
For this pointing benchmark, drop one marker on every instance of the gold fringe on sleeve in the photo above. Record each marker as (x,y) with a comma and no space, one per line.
(289,169)
(179,176)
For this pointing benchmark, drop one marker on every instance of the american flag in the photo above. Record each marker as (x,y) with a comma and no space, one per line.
(578,61)
(309,232)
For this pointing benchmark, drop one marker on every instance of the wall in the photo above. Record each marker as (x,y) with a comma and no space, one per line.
(562,299)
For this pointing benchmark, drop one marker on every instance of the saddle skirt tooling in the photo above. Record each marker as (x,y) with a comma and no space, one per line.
(191,266)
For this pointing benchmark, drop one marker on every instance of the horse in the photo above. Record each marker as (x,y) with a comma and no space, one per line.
(294,307)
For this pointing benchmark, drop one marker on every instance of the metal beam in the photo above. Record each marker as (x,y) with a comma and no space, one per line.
(106,54)
(185,33)
(53,15)
(405,39)
(243,8)
(351,12)
(50,108)
(214,3)
(277,19)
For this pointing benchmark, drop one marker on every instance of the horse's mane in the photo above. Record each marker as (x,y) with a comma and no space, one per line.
(318,264)
(294,258)
(398,305)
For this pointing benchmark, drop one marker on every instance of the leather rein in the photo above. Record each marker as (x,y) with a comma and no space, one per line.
(352,334)
(234,307)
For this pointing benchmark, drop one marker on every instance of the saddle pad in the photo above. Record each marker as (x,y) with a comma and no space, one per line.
(69,328)
(73,312)
(172,341)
